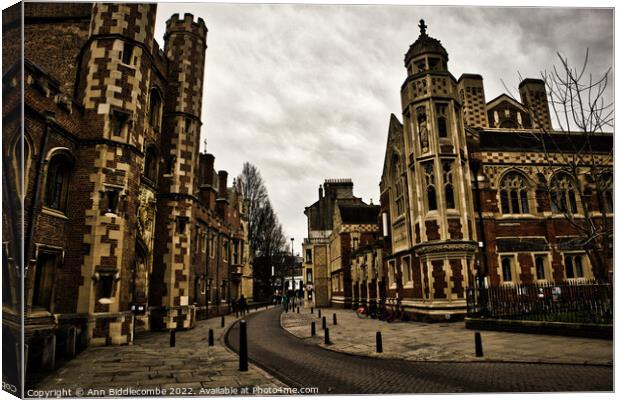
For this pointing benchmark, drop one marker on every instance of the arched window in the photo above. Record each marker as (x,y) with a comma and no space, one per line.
(507,269)
(513,194)
(448,187)
(58,173)
(21,179)
(563,198)
(442,121)
(508,124)
(150,164)
(431,192)
(540,267)
(155,108)
(422,128)
(398,186)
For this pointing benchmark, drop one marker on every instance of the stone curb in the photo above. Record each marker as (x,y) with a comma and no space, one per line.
(483,360)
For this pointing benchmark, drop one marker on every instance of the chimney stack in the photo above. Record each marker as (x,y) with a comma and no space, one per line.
(534,98)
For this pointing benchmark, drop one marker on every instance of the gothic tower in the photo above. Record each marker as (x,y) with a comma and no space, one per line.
(113,81)
(436,156)
(185,47)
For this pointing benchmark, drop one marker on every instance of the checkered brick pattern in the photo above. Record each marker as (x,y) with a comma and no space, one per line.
(474,104)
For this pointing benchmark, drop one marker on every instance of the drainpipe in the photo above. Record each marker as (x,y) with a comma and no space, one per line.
(482,272)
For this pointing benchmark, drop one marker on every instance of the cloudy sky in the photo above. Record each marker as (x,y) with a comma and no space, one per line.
(305,92)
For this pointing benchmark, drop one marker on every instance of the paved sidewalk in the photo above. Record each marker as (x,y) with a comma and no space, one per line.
(189,368)
(418,341)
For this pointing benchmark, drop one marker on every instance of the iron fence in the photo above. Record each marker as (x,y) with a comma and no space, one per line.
(575,302)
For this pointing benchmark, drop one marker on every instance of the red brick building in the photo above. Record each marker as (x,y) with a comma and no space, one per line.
(126,225)
(469,190)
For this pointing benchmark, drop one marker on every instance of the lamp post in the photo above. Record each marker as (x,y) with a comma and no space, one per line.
(293,266)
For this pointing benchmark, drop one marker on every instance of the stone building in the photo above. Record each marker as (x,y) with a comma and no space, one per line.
(465,189)
(337,223)
(126,225)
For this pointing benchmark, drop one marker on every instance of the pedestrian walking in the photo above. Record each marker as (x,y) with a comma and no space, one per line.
(284,301)
(242,304)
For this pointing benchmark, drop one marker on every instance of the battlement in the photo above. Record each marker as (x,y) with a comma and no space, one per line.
(339,180)
(187,24)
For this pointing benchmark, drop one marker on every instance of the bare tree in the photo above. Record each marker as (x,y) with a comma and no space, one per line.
(577,173)
(254,191)
(265,234)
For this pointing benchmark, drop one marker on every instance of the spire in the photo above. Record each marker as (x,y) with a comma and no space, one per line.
(423,27)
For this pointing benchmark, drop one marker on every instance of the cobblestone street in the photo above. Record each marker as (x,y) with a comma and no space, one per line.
(417,341)
(301,363)
(189,368)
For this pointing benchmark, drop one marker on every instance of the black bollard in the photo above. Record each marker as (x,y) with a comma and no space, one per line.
(326,335)
(211,341)
(319,313)
(173,337)
(335,320)
(222,322)
(379,343)
(311,310)
(323,323)
(243,346)
(478,340)
(312,329)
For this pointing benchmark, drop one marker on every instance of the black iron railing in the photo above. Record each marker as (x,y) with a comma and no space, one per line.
(569,301)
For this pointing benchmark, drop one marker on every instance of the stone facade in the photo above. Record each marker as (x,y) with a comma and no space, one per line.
(127,225)
(338,222)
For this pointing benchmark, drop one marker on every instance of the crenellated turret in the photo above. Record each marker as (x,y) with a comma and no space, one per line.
(184,47)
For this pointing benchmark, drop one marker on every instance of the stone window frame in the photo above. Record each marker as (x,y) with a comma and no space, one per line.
(448,183)
(421,119)
(442,120)
(585,265)
(392,274)
(524,193)
(398,184)
(225,248)
(561,186)
(112,195)
(308,258)
(103,276)
(407,273)
(515,268)
(57,257)
(430,182)
(21,149)
(53,156)
(157,103)
(212,245)
(546,266)
(151,163)
(124,59)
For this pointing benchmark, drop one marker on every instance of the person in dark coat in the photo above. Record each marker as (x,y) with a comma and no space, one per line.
(242,304)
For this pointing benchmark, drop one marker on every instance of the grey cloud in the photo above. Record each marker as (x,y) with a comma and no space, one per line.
(305,92)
